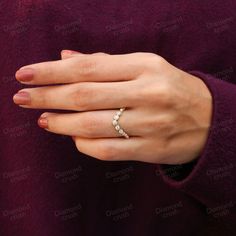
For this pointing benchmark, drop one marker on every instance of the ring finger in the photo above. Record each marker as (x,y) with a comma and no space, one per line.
(92,124)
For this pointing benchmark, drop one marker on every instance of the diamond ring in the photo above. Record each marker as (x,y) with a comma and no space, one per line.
(116,124)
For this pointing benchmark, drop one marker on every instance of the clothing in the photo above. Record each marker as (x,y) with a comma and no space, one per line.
(48,188)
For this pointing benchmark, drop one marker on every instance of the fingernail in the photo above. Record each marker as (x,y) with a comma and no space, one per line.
(44,115)
(70,52)
(21,98)
(25,74)
(43,123)
(75,52)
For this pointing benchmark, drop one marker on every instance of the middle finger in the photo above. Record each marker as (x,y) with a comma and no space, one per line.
(79,96)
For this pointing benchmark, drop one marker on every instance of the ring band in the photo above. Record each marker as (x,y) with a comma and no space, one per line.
(116,124)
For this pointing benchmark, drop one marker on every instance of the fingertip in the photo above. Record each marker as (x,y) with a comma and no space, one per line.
(25,74)
(65,54)
(44,115)
(69,53)
(43,123)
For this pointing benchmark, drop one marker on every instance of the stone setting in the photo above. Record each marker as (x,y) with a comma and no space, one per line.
(116,124)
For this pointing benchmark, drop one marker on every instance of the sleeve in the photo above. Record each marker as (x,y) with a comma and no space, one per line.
(211,179)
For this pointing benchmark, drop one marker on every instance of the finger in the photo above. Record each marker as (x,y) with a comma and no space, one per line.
(79,96)
(111,149)
(65,54)
(93,124)
(83,68)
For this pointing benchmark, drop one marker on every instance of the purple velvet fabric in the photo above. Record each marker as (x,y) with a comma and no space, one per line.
(48,188)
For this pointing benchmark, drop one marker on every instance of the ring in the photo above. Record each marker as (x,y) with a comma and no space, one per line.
(116,124)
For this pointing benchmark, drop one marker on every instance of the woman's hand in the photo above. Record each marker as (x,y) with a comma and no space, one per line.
(168,111)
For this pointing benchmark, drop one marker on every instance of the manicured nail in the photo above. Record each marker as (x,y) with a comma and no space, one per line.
(75,52)
(70,52)
(25,74)
(44,115)
(22,98)
(43,123)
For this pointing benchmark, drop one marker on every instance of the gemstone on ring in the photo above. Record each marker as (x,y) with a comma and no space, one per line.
(117,127)
(116,117)
(121,131)
(116,124)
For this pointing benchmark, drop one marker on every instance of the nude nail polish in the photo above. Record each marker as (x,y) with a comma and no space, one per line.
(44,115)
(70,52)
(25,75)
(75,52)
(22,98)
(43,123)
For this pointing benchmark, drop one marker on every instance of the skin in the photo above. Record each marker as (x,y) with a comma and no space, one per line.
(168,111)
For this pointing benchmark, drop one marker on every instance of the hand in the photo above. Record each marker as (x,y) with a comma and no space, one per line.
(168,111)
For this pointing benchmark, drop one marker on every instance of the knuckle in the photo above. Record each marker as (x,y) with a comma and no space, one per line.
(88,125)
(163,146)
(152,56)
(86,66)
(155,92)
(158,60)
(156,124)
(40,98)
(107,153)
(163,95)
(164,89)
(149,61)
(154,62)
(168,97)
(49,69)
(164,125)
(81,97)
